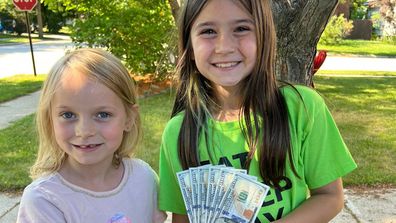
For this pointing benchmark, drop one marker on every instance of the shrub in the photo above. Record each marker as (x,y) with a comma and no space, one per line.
(135,31)
(337,28)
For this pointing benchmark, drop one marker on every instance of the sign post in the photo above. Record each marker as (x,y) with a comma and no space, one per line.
(27,6)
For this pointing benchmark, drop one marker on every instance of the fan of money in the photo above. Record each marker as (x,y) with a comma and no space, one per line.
(214,194)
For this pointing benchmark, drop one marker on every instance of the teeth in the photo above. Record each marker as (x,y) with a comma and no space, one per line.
(87,146)
(226,65)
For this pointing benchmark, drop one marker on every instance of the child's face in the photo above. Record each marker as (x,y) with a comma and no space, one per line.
(89,120)
(224,42)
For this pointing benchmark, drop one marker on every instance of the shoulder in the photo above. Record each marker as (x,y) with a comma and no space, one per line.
(296,92)
(42,190)
(140,169)
(173,125)
(175,122)
(43,201)
(299,97)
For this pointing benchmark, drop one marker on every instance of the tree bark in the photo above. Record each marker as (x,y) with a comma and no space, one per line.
(299,25)
(39,20)
(174,7)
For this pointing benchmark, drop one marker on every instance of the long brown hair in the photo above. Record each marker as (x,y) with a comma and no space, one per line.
(260,94)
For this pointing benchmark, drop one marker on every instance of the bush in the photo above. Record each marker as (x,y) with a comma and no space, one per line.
(337,28)
(389,39)
(135,31)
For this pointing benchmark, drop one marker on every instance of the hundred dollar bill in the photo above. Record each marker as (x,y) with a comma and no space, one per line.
(213,179)
(194,175)
(203,188)
(214,183)
(242,201)
(186,190)
(225,179)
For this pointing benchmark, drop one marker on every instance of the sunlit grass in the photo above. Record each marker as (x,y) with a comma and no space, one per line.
(18,85)
(11,38)
(361,47)
(364,109)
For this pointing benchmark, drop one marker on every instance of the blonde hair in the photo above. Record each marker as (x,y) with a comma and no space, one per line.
(97,65)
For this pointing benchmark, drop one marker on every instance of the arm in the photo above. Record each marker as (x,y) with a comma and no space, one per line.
(323,205)
(179,218)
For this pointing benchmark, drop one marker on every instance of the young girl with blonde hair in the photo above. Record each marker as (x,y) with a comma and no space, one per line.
(88,125)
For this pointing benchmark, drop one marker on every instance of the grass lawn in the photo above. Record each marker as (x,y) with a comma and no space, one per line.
(24,38)
(362,107)
(364,110)
(361,47)
(11,38)
(18,85)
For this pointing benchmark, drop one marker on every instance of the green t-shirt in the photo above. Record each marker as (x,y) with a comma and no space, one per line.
(319,154)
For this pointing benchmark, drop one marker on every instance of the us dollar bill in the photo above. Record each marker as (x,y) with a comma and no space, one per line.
(203,189)
(195,193)
(186,190)
(242,201)
(215,194)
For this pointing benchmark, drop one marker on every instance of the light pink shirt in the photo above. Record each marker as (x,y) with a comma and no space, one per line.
(53,199)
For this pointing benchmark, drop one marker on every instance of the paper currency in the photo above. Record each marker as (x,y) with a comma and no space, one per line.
(186,190)
(214,194)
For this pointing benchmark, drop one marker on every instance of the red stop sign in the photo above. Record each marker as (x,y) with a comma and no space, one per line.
(24,5)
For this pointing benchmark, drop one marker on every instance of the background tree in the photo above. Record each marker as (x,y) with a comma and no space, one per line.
(134,30)
(388,13)
(299,24)
(358,9)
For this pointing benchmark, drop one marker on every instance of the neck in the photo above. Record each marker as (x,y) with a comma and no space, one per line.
(227,115)
(229,101)
(92,177)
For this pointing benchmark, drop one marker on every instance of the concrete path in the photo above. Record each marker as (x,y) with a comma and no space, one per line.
(13,110)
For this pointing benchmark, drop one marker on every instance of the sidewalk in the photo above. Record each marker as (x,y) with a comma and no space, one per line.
(361,206)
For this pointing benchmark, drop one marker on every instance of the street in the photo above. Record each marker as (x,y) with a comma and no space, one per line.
(359,63)
(17,59)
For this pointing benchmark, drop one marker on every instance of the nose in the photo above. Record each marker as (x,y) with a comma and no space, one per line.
(225,43)
(85,128)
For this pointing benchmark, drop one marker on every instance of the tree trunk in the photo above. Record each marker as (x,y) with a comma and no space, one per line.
(299,25)
(39,20)
(388,13)
(175,8)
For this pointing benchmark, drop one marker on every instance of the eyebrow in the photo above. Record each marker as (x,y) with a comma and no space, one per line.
(102,107)
(234,22)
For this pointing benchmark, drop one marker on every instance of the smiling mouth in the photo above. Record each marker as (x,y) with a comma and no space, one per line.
(87,147)
(226,65)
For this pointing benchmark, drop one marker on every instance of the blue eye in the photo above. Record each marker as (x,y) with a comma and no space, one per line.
(103,115)
(68,115)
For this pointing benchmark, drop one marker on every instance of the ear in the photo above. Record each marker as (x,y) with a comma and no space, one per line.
(130,122)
